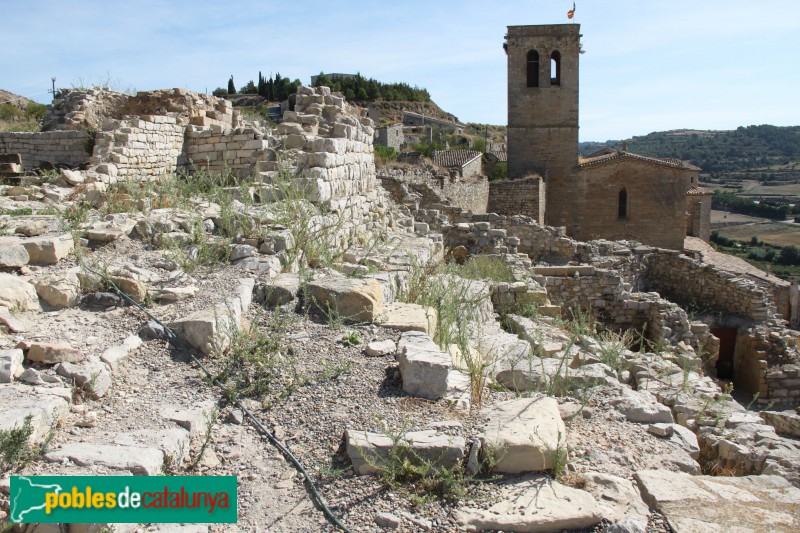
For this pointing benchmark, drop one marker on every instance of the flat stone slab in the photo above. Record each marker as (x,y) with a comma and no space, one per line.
(525,434)
(694,504)
(49,250)
(46,406)
(139,461)
(369,451)
(401,316)
(533,504)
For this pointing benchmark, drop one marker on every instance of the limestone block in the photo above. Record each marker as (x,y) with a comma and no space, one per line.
(409,317)
(17,294)
(13,255)
(532,504)
(137,460)
(49,250)
(706,503)
(424,368)
(44,406)
(642,406)
(60,290)
(54,353)
(115,356)
(91,375)
(281,290)
(359,300)
(370,450)
(10,365)
(525,433)
(208,330)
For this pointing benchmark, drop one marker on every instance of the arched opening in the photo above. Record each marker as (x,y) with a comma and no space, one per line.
(622,208)
(555,68)
(533,68)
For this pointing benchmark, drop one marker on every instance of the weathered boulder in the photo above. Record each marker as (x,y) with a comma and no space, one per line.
(526,434)
(532,504)
(369,452)
(59,290)
(208,330)
(13,255)
(424,368)
(72,177)
(280,290)
(10,365)
(49,250)
(175,294)
(16,293)
(401,316)
(92,375)
(41,352)
(380,348)
(359,300)
(642,406)
(134,288)
(139,461)
(706,503)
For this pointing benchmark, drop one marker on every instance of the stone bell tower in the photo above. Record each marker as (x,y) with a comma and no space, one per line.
(543,110)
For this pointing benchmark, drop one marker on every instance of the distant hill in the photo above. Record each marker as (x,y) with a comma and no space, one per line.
(16,100)
(763,153)
(392,112)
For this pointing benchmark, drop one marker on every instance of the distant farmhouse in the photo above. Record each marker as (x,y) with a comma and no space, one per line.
(416,119)
(612,194)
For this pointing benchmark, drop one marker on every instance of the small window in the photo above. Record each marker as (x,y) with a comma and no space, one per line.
(555,68)
(622,209)
(533,68)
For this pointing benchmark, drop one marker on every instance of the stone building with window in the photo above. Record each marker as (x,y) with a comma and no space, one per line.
(611,194)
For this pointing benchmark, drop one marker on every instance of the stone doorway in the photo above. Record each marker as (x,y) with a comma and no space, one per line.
(727,348)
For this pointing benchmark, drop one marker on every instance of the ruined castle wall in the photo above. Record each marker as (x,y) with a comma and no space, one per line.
(469,194)
(604,294)
(236,151)
(518,197)
(59,147)
(688,280)
(142,148)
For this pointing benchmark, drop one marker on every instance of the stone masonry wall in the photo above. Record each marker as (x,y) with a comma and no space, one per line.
(67,148)
(688,280)
(469,194)
(236,151)
(518,197)
(327,146)
(141,148)
(604,294)
(391,136)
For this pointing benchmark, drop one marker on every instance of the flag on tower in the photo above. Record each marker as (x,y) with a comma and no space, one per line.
(571,12)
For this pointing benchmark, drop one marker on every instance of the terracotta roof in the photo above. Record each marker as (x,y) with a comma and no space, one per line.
(614,155)
(699,191)
(500,155)
(454,158)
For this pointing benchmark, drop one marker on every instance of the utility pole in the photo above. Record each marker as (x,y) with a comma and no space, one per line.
(54,87)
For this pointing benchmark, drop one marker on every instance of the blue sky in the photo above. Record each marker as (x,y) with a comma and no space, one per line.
(650,65)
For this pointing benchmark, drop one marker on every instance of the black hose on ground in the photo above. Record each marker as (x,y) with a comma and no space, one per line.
(173,339)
